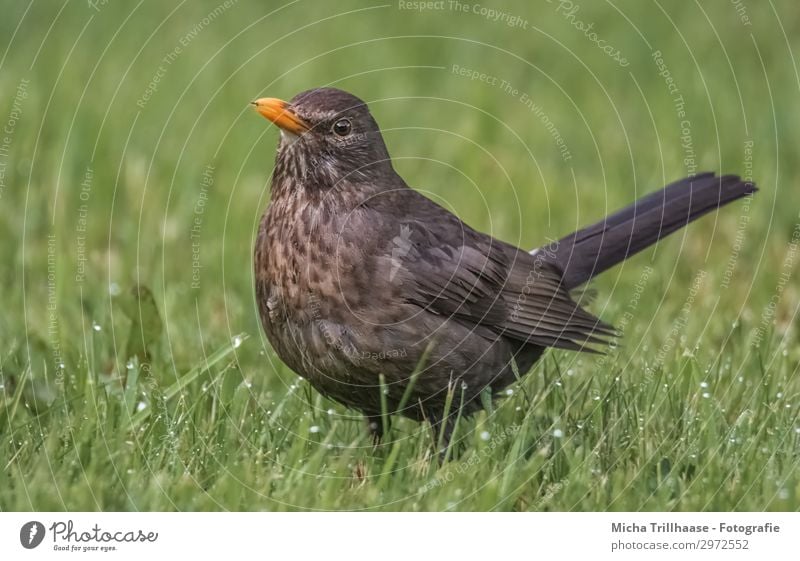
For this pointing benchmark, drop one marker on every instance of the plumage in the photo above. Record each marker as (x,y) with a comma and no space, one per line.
(358,275)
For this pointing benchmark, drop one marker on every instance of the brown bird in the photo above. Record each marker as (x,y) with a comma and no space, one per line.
(360,278)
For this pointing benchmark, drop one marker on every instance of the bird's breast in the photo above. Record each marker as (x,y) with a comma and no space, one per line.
(311,278)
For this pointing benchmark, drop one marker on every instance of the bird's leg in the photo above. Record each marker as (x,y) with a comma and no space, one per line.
(442,433)
(375,427)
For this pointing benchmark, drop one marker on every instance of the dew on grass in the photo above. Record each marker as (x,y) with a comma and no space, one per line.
(96,326)
(485,435)
(570,372)
(783,494)
(464,386)
(313,429)
(706,395)
(558,383)
(509,391)
(113,289)
(518,408)
(331,412)
(558,433)
(236,342)
(141,406)
(779,395)
(703,384)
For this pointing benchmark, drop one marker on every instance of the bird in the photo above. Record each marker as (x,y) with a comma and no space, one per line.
(388,303)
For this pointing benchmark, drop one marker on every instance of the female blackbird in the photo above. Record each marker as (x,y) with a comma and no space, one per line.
(384,300)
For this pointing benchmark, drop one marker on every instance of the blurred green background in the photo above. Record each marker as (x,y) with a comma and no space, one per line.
(130,158)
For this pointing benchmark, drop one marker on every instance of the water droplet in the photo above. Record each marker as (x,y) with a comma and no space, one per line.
(570,372)
(485,435)
(313,429)
(236,342)
(96,326)
(141,406)
(779,395)
(558,433)
(706,395)
(331,412)
(783,494)
(464,386)
(509,391)
(703,384)
(113,289)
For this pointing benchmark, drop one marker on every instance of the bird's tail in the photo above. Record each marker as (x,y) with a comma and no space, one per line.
(594,249)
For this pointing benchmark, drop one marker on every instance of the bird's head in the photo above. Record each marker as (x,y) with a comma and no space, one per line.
(328,136)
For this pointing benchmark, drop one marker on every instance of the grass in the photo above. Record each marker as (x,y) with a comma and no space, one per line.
(134,373)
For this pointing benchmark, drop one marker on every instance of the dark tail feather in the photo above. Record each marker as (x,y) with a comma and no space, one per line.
(592,250)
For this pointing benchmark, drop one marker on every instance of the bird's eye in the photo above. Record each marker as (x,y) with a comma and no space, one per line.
(342,127)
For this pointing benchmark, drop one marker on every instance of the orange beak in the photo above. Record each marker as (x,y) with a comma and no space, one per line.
(278,111)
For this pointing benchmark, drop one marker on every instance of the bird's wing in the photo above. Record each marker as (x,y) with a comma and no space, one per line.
(449,269)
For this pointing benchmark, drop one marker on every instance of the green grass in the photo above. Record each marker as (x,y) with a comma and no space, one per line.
(169,398)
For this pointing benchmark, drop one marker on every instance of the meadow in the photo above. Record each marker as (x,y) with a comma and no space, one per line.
(134,374)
